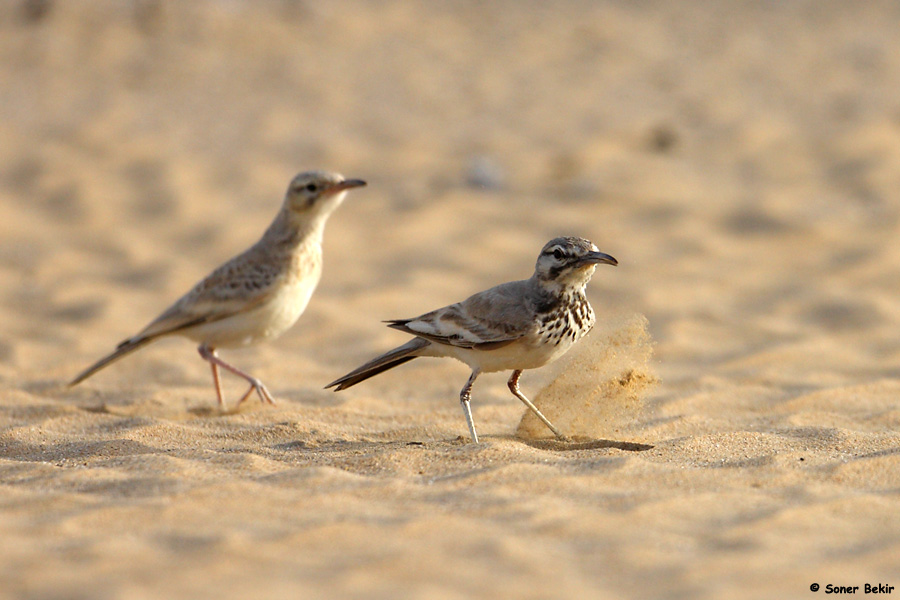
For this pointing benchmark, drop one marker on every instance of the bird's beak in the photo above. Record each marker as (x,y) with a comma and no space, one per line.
(596,258)
(346,185)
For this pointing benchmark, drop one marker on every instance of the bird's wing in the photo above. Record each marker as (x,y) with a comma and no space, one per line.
(486,321)
(237,286)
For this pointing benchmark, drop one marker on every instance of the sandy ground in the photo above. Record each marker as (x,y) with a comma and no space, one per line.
(737,407)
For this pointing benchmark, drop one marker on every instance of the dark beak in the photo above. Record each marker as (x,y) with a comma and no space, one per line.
(596,258)
(346,185)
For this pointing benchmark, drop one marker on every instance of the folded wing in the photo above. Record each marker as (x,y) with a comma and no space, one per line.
(486,321)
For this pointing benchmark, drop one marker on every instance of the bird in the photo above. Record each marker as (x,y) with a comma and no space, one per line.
(256,295)
(514,326)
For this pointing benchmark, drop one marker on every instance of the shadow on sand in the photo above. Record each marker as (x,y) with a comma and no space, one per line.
(580,443)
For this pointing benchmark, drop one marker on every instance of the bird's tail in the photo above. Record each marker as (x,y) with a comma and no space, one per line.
(388,360)
(126,347)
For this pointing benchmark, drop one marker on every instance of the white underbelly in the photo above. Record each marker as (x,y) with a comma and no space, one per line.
(511,357)
(266,321)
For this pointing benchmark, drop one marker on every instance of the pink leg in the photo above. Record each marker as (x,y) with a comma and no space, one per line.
(209,354)
(216,382)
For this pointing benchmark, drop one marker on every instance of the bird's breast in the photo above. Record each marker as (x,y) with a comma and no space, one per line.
(283,303)
(571,320)
(293,295)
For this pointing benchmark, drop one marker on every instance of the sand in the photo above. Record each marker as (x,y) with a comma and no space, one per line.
(735,413)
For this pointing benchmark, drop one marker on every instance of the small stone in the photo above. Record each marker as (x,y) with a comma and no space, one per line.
(484,173)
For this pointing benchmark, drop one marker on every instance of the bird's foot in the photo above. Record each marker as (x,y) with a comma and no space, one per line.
(256,385)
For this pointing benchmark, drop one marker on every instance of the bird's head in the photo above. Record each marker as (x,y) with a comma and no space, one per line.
(317,193)
(569,262)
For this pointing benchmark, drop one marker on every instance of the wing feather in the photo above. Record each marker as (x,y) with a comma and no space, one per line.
(237,286)
(485,321)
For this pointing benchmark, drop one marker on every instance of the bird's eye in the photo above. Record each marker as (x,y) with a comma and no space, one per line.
(558,254)
(311,187)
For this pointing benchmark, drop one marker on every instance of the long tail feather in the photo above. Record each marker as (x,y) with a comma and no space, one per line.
(388,360)
(123,349)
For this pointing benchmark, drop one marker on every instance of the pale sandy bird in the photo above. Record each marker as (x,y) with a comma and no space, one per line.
(257,295)
(518,325)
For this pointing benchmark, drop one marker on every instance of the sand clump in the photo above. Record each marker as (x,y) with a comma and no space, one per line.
(600,385)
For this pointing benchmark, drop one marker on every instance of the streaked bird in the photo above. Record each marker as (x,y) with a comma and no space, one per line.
(514,326)
(257,295)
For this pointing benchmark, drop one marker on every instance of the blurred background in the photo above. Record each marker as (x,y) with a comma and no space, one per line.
(740,159)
